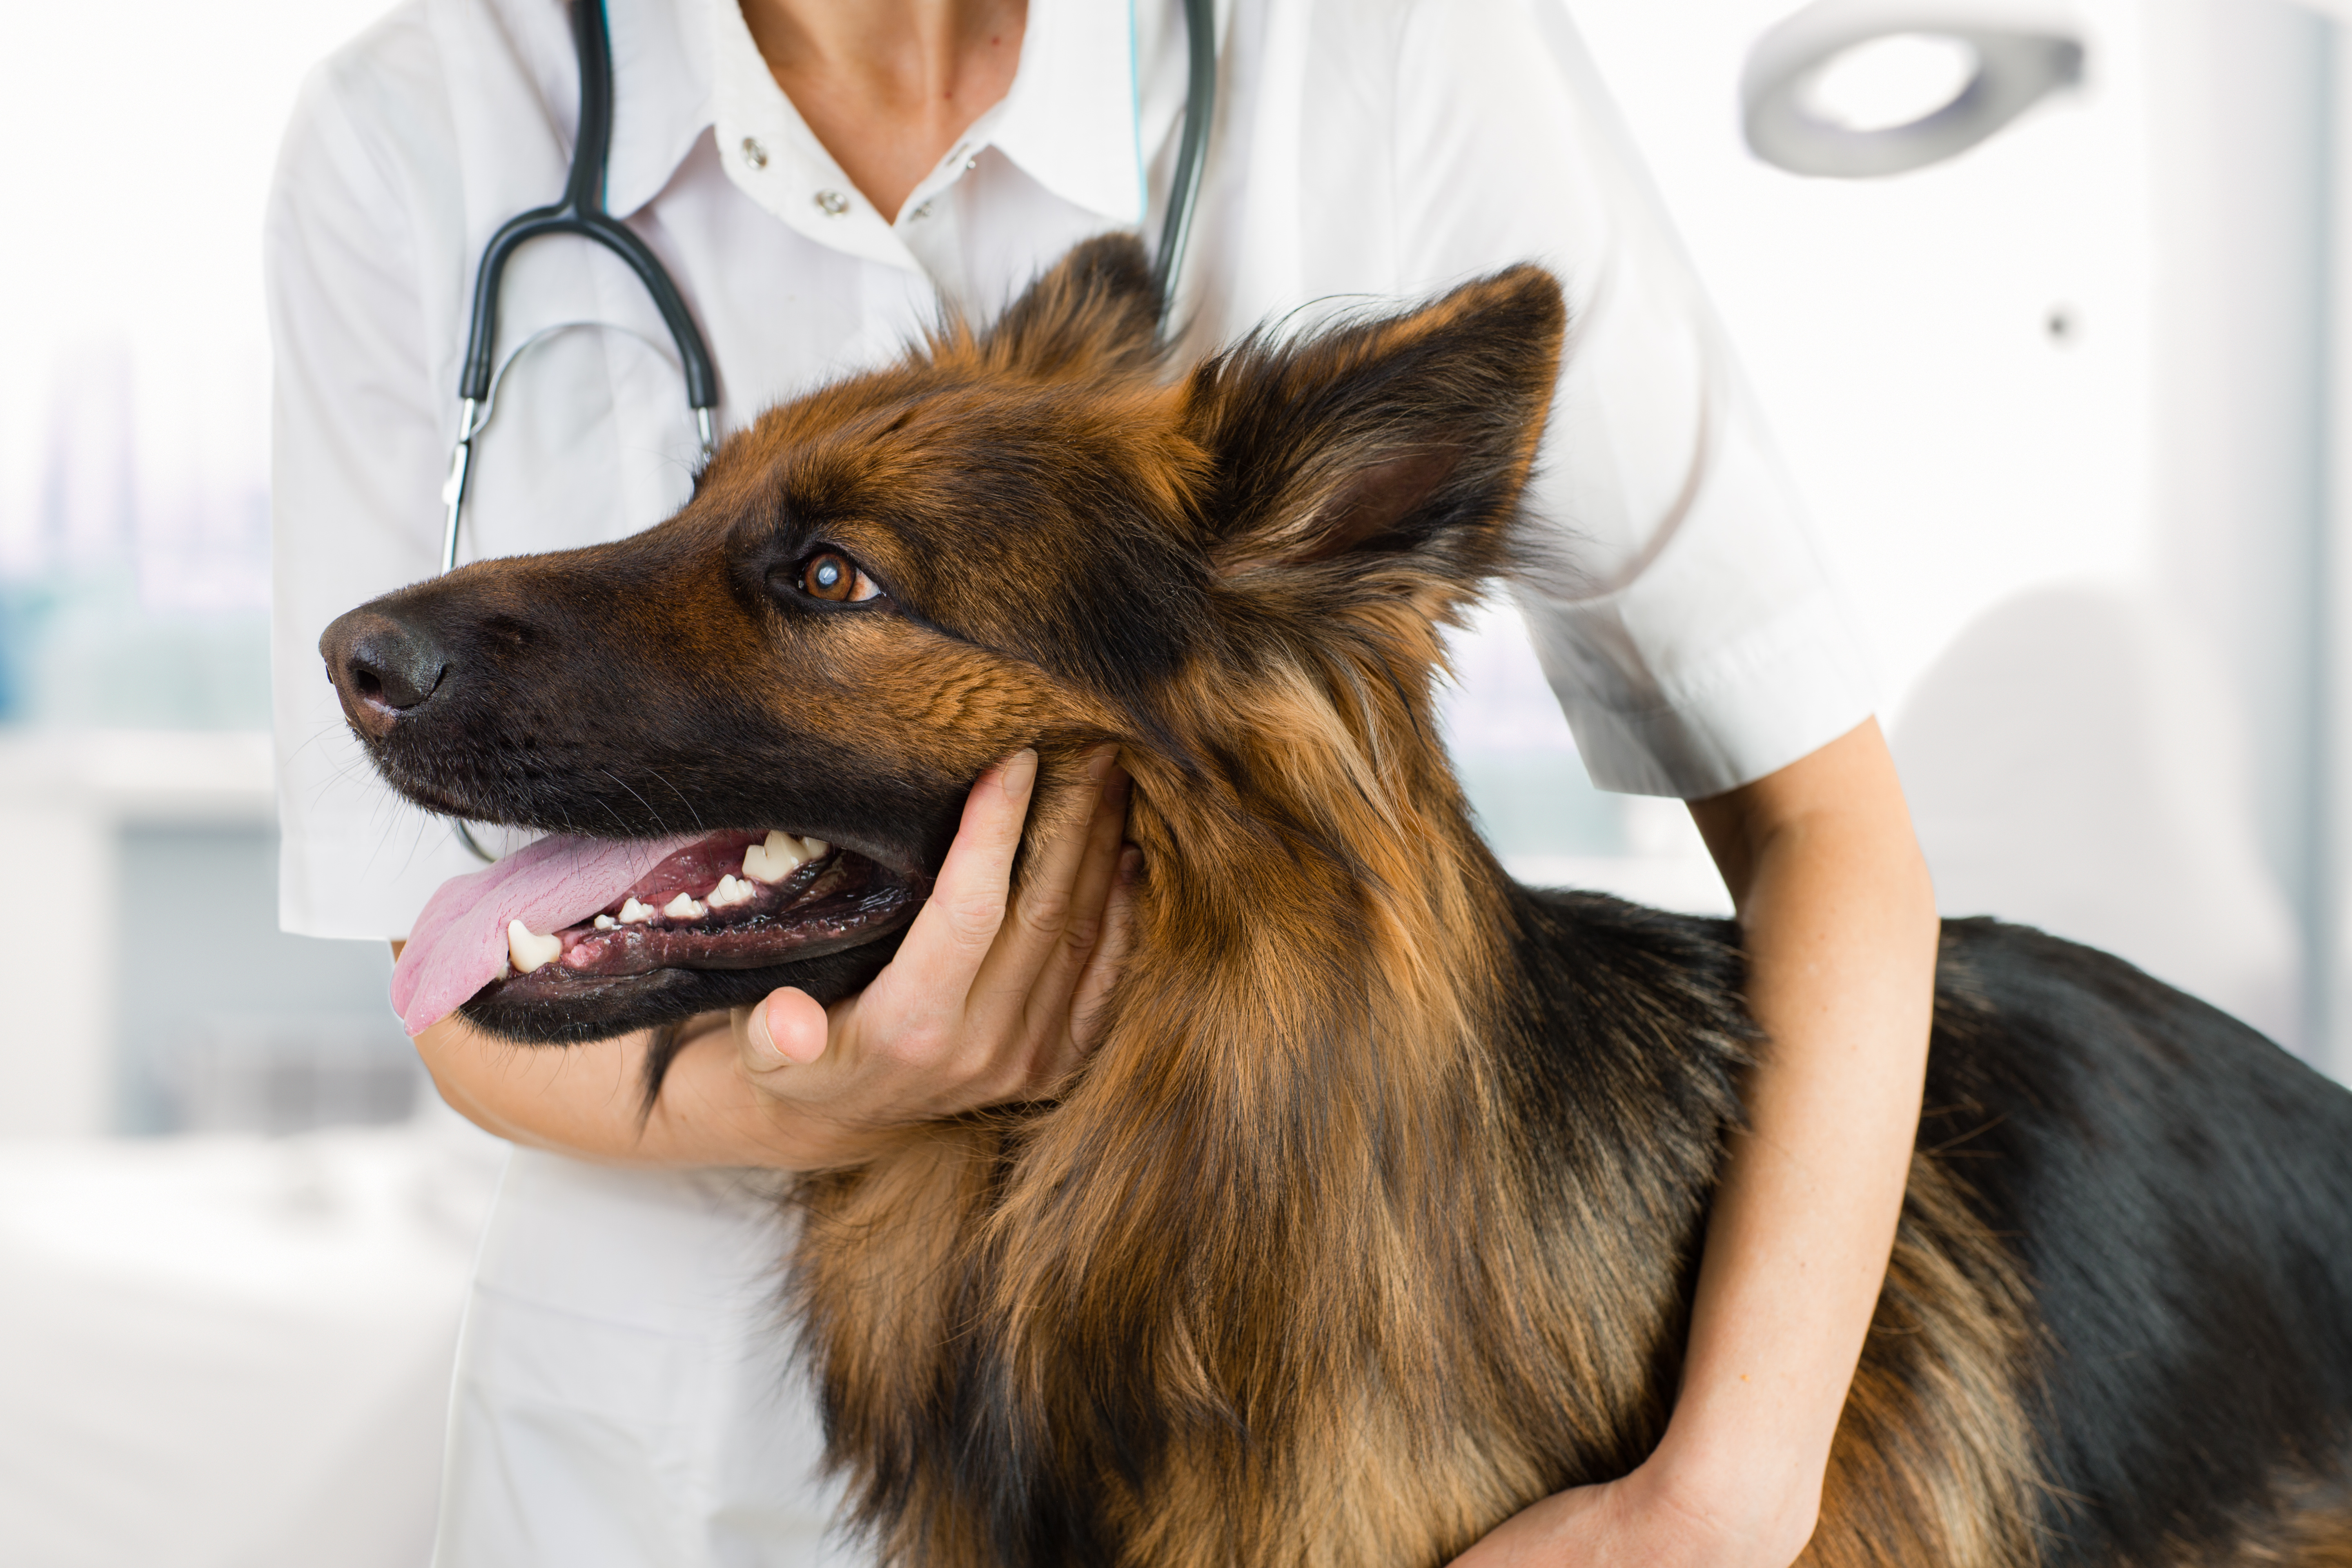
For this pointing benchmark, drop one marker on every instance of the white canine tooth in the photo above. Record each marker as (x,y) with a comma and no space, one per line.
(732,891)
(634,913)
(528,949)
(774,860)
(682,908)
(606,922)
(817,847)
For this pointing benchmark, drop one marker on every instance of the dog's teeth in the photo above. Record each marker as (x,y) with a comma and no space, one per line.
(817,847)
(606,922)
(528,949)
(634,913)
(774,860)
(682,908)
(732,891)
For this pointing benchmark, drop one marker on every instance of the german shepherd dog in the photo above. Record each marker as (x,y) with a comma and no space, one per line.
(1375,1216)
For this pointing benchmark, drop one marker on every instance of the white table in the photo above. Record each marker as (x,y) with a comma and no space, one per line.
(219,1351)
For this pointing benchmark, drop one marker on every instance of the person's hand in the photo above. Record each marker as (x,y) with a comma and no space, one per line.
(991,996)
(1645,1519)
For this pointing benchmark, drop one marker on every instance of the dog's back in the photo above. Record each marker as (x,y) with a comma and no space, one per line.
(2118,1326)
(2177,1193)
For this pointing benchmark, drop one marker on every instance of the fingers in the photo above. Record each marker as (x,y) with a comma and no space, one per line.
(931,975)
(1051,1004)
(1102,966)
(975,1007)
(1097,877)
(1057,914)
(914,1017)
(974,880)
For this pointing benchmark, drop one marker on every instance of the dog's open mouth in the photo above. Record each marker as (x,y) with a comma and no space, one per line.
(734,901)
(567,935)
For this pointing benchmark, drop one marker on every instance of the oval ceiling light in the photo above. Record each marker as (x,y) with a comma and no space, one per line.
(1857,88)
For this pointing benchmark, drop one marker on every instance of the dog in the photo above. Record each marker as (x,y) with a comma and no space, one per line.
(1375,1216)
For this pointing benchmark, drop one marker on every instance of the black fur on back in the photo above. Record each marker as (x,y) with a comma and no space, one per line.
(2179,1192)
(2175,1189)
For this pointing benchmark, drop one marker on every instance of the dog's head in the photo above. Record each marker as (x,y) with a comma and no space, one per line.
(1027,536)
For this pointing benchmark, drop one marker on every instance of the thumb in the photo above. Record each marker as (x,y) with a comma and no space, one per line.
(787,1030)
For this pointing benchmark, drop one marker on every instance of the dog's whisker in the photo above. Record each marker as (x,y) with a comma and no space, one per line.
(682,799)
(641,800)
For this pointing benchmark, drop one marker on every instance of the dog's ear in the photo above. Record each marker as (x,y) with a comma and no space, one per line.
(1095,310)
(1409,435)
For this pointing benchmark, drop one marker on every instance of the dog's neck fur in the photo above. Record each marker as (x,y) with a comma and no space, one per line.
(1323,950)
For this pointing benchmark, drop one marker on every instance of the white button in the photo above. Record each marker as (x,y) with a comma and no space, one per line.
(753,154)
(920,213)
(970,164)
(832,204)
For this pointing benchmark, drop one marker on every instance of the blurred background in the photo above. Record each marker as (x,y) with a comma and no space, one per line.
(2066,404)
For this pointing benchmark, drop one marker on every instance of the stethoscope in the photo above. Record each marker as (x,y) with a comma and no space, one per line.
(582,212)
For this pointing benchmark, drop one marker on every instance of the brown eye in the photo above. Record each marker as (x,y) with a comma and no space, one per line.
(834,576)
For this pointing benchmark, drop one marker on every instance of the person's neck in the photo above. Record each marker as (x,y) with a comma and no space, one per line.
(889,85)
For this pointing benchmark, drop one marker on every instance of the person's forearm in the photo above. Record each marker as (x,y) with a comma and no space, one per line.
(585,1100)
(1839,924)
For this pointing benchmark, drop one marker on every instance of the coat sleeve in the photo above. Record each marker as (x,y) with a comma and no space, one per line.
(359,447)
(1672,589)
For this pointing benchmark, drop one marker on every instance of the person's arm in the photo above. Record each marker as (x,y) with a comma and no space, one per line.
(1839,923)
(987,1000)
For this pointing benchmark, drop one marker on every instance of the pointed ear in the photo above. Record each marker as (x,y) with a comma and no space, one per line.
(1411,434)
(1094,311)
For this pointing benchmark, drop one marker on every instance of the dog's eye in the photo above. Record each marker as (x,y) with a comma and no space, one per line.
(832,575)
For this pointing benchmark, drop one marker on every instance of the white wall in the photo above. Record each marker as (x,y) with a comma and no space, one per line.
(2063,390)
(1953,449)
(136,141)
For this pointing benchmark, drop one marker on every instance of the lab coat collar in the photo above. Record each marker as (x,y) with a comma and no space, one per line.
(772,156)
(1070,118)
(680,67)
(661,94)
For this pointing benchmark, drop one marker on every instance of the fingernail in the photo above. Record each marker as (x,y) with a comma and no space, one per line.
(1098,763)
(1019,772)
(763,1044)
(1131,866)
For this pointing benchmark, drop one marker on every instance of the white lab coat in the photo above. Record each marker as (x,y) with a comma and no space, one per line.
(1365,151)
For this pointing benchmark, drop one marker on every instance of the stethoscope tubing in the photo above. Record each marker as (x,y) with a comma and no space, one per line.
(580,211)
(1191,152)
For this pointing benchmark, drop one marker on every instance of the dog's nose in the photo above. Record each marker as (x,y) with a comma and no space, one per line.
(382,667)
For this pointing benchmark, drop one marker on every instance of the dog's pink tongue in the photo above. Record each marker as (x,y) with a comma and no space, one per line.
(459,943)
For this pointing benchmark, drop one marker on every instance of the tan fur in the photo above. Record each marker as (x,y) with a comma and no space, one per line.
(1933,1461)
(1392,1450)
(2311,1527)
(1297,1078)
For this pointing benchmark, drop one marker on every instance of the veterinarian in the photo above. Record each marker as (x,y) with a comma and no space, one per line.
(814,174)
